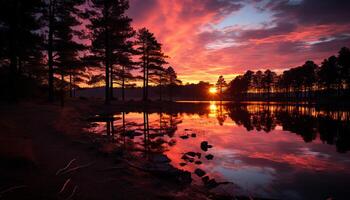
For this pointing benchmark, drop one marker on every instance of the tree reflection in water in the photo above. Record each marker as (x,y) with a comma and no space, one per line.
(158,132)
(251,140)
(307,122)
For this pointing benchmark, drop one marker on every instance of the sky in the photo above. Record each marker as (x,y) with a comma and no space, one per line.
(208,38)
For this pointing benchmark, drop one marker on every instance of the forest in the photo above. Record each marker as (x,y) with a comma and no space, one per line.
(52,47)
(308,82)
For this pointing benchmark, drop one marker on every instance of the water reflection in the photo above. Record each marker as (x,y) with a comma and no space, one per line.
(272,151)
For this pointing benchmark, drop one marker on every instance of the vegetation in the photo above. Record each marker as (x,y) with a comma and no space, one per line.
(306,82)
(61,40)
(54,45)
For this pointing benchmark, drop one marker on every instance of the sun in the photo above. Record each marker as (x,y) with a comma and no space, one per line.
(212,90)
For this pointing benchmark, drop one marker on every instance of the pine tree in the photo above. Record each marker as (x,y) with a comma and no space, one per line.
(110,30)
(60,16)
(220,85)
(151,56)
(20,42)
(172,81)
(126,66)
(66,47)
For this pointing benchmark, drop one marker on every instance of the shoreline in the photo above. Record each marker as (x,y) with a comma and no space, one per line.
(55,140)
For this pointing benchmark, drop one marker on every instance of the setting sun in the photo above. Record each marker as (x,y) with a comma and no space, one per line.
(212,90)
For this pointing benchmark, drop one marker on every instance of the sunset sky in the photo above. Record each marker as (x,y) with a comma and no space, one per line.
(208,38)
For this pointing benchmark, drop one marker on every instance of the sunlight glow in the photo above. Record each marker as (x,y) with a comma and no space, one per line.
(212,90)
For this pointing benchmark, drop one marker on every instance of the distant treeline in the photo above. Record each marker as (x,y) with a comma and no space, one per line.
(307,82)
(188,92)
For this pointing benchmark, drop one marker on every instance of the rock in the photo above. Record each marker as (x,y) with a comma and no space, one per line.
(209,157)
(205,146)
(191,153)
(184,137)
(205,179)
(198,155)
(170,173)
(198,162)
(212,183)
(199,172)
(185,157)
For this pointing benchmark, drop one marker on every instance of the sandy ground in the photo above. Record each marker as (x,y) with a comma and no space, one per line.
(39,139)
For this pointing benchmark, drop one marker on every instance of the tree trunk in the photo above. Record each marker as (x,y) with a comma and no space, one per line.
(144,73)
(111,84)
(123,83)
(12,90)
(50,49)
(146,91)
(107,53)
(74,86)
(160,92)
(62,90)
(70,86)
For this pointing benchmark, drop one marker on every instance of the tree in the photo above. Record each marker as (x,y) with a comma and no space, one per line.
(61,17)
(160,78)
(19,41)
(344,63)
(172,81)
(247,81)
(237,87)
(151,56)
(66,48)
(110,27)
(329,73)
(123,74)
(309,76)
(268,81)
(258,81)
(220,86)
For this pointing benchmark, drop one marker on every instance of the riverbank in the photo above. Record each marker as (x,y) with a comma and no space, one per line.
(45,154)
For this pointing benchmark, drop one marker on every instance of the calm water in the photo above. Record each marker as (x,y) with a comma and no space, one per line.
(270,151)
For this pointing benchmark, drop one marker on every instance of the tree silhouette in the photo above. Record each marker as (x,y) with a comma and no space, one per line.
(344,62)
(268,81)
(20,41)
(151,56)
(110,29)
(306,82)
(220,86)
(329,73)
(172,81)
(66,48)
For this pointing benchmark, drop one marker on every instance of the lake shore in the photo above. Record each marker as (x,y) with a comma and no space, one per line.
(45,154)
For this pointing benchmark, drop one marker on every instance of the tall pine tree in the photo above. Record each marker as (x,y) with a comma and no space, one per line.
(151,56)
(20,42)
(110,29)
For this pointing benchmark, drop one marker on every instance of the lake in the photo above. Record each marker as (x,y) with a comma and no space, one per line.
(263,150)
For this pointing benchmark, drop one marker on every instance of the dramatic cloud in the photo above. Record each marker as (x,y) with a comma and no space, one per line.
(208,38)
